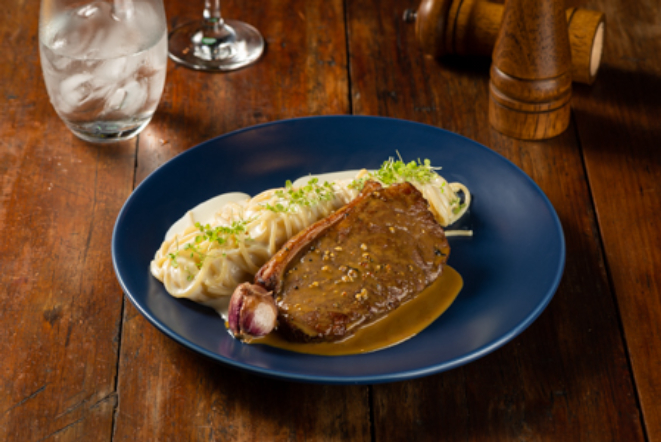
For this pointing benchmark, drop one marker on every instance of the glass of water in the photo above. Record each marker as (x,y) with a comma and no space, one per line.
(104,64)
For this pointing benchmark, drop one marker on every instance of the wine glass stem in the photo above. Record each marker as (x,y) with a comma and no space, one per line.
(212,13)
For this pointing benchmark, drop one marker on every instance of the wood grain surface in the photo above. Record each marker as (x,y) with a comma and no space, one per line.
(619,128)
(79,363)
(61,305)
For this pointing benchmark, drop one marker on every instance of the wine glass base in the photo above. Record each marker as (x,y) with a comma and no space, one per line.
(232,46)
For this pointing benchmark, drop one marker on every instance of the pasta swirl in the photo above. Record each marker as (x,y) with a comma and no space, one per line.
(207,262)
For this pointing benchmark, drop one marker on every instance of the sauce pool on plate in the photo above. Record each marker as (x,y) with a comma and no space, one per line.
(401,324)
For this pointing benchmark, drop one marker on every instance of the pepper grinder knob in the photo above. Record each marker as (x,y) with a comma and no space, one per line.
(530,85)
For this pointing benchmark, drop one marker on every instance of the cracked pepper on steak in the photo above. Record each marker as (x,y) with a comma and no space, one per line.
(356,265)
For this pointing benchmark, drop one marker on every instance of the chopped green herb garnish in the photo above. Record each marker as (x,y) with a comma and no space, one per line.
(222,236)
(309,195)
(358,183)
(458,208)
(392,172)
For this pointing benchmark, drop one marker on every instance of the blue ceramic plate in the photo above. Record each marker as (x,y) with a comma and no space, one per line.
(511,267)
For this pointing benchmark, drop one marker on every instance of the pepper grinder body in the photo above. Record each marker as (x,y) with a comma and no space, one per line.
(530,78)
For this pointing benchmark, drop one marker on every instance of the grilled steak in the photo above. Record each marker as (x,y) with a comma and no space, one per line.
(356,265)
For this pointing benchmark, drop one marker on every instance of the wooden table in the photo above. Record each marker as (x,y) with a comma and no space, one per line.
(78,362)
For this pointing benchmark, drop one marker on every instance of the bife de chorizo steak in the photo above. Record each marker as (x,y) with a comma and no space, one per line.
(349,269)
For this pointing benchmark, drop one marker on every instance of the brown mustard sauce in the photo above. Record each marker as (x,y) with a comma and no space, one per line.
(403,323)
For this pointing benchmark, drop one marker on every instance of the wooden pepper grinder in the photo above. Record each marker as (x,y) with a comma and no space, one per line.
(530,87)
(470,27)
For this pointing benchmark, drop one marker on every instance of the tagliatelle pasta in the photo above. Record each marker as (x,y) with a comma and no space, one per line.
(207,261)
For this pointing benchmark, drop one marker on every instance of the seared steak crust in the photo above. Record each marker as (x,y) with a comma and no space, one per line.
(355,266)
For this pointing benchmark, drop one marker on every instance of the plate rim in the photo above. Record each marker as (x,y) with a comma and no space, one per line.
(336,379)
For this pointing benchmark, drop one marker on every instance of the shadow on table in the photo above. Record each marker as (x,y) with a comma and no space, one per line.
(471,66)
(619,113)
(625,88)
